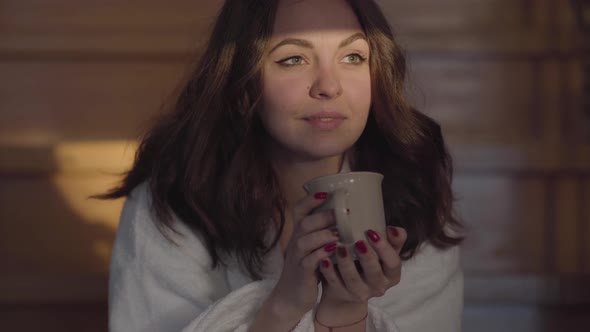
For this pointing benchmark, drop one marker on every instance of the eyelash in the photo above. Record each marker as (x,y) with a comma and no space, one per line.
(282,62)
(361,58)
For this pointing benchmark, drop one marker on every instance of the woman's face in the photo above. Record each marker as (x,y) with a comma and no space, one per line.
(317,83)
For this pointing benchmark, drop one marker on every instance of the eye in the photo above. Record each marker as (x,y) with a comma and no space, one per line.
(292,61)
(354,58)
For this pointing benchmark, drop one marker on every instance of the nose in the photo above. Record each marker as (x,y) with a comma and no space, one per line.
(326,84)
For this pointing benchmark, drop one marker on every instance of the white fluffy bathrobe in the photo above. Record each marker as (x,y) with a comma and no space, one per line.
(158,286)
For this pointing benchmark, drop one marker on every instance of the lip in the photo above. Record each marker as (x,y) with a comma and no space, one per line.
(325,120)
(325,115)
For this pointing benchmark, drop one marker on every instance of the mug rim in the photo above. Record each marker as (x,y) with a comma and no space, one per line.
(312,181)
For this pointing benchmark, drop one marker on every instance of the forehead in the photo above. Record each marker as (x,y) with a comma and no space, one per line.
(308,16)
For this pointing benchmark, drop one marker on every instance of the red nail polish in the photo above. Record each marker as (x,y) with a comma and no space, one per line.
(361,247)
(325,263)
(320,195)
(342,252)
(330,247)
(393,231)
(373,235)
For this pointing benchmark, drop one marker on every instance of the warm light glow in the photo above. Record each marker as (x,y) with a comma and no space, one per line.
(75,194)
(107,157)
(92,168)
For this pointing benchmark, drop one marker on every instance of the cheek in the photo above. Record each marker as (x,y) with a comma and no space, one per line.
(359,92)
(283,96)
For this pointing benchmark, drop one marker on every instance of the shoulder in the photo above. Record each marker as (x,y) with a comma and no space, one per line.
(430,271)
(140,239)
(428,257)
(433,267)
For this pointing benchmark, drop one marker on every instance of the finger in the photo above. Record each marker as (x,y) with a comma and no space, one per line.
(332,277)
(397,237)
(311,261)
(351,278)
(313,241)
(372,269)
(315,222)
(390,262)
(303,207)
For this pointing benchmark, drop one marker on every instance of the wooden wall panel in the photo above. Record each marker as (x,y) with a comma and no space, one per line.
(585,228)
(483,26)
(565,25)
(477,100)
(567,226)
(456,14)
(55,242)
(50,227)
(169,28)
(37,27)
(76,158)
(552,99)
(577,129)
(61,100)
(504,218)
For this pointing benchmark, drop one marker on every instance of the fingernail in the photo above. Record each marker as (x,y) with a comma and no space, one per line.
(342,252)
(330,247)
(335,233)
(373,235)
(347,211)
(361,247)
(393,231)
(320,195)
(325,263)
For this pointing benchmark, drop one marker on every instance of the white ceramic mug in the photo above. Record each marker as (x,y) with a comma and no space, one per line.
(357,201)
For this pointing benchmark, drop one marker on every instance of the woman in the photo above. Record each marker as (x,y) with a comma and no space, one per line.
(217,232)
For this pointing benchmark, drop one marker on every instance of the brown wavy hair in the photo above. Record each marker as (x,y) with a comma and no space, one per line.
(204,160)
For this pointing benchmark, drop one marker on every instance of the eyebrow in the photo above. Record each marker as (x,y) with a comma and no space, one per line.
(307,44)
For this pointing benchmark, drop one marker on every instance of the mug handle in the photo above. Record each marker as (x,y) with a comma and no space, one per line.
(341,213)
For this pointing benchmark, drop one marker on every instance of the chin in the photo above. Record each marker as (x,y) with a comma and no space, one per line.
(327,151)
(311,150)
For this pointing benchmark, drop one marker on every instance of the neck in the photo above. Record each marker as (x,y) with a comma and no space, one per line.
(293,173)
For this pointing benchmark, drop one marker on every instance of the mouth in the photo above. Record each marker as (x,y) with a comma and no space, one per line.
(325,117)
(322,119)
(325,120)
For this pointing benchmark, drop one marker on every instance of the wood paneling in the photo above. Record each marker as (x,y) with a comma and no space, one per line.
(523,318)
(566,226)
(576,102)
(62,101)
(79,157)
(504,218)
(35,28)
(585,229)
(552,99)
(50,226)
(478,100)
(458,14)
(73,316)
(484,26)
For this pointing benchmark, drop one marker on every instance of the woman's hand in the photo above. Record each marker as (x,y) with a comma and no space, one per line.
(381,269)
(310,243)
